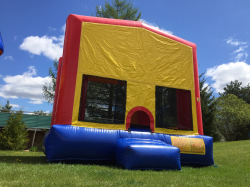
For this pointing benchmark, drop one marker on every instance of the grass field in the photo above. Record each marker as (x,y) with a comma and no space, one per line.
(18,168)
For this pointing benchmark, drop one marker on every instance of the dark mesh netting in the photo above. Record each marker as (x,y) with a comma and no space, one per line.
(173,108)
(103,100)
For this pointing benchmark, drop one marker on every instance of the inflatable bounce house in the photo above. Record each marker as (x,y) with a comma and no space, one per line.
(127,92)
(1,45)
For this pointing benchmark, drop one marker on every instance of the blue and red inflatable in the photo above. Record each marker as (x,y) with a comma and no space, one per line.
(1,45)
(128,93)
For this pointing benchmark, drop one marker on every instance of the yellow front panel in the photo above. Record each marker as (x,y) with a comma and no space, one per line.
(144,59)
(140,94)
(142,56)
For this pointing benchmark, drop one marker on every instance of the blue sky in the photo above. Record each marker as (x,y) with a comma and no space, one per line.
(33,33)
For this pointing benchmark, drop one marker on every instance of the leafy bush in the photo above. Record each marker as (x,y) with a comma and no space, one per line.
(33,149)
(232,117)
(14,136)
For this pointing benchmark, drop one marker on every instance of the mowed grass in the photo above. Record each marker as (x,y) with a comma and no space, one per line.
(18,168)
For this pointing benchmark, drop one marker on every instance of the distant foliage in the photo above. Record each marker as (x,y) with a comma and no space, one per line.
(118,10)
(33,149)
(233,117)
(42,113)
(14,136)
(240,91)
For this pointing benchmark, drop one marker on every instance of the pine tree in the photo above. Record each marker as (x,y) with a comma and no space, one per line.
(49,88)
(14,136)
(118,10)
(208,107)
(7,107)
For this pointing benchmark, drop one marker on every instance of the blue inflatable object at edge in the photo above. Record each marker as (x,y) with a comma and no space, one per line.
(1,45)
(66,142)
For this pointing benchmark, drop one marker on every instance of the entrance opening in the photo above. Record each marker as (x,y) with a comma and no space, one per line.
(140,121)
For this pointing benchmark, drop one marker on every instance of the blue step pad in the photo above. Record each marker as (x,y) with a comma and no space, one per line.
(131,153)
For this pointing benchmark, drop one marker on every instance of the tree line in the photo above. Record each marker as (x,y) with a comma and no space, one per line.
(226,117)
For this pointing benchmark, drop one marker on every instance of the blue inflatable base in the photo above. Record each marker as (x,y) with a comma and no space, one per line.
(66,142)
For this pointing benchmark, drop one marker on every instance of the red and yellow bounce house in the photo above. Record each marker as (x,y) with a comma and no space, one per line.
(127,92)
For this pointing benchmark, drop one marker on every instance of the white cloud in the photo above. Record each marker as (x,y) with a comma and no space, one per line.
(28,85)
(241,49)
(239,57)
(36,102)
(225,73)
(63,28)
(15,38)
(50,47)
(234,42)
(15,106)
(8,58)
(240,54)
(153,25)
(205,85)
(208,87)
(52,29)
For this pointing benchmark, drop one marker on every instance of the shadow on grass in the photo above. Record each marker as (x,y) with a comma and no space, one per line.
(194,165)
(24,159)
(107,163)
(43,160)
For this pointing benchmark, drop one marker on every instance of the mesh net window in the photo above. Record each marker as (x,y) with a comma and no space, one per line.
(103,100)
(173,109)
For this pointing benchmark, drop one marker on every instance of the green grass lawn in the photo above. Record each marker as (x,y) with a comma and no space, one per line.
(19,168)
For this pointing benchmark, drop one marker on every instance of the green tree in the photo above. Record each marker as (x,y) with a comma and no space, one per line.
(235,88)
(14,136)
(208,108)
(118,10)
(7,107)
(49,88)
(232,117)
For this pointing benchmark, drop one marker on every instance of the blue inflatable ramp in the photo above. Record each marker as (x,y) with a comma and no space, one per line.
(146,154)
